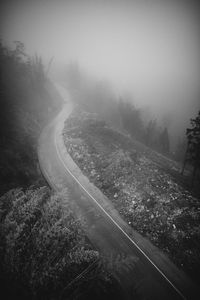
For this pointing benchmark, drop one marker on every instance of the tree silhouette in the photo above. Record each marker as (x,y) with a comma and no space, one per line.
(179,152)
(151,133)
(193,147)
(131,119)
(164,141)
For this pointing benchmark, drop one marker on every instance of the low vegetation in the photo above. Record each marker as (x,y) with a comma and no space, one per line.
(44,251)
(144,186)
(45,254)
(43,246)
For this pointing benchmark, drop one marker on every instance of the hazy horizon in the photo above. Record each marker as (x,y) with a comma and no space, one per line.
(149,49)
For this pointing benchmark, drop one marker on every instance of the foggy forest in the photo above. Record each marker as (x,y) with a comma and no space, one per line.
(99,149)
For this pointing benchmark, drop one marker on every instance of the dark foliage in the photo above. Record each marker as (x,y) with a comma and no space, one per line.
(193,148)
(26,104)
(180,150)
(193,136)
(131,120)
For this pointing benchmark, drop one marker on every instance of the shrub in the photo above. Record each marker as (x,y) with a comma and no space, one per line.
(43,246)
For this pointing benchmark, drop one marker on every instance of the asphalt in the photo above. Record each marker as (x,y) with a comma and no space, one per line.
(149,274)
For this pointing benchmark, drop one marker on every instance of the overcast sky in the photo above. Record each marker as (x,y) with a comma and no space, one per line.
(150,48)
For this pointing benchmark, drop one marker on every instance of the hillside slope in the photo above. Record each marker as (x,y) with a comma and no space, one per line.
(145,187)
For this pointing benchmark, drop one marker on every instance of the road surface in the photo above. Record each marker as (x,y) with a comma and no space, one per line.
(150,275)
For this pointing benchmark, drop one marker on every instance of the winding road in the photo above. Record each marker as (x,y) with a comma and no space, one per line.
(150,275)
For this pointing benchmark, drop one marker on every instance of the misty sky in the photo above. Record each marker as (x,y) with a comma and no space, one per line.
(149,48)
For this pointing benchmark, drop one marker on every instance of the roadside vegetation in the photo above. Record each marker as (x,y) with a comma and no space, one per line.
(27,101)
(145,187)
(44,251)
(45,254)
(43,246)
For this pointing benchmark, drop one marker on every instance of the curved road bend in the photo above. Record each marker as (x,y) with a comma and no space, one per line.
(152,276)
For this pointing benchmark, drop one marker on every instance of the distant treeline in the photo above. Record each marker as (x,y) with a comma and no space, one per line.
(97,96)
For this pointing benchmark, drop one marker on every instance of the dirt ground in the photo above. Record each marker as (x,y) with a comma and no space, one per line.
(144,186)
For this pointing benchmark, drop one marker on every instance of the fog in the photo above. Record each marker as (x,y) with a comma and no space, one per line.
(148,49)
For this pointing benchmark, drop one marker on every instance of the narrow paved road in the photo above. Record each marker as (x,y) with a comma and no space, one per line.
(150,275)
